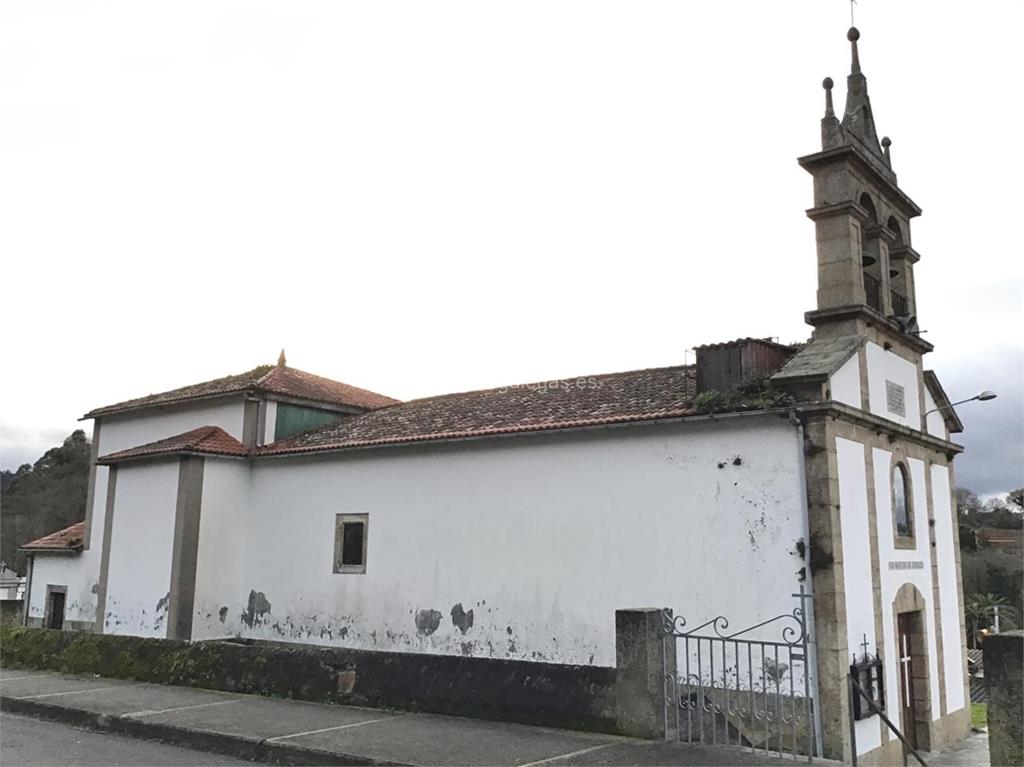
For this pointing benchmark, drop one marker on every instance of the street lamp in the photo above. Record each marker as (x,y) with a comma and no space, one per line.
(985,396)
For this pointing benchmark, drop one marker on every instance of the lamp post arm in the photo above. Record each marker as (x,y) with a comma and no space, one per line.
(952,405)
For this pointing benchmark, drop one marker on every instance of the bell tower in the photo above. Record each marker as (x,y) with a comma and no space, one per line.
(862,221)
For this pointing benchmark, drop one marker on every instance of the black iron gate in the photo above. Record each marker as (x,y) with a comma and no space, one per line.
(739,688)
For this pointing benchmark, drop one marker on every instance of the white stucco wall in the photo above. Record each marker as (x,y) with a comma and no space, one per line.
(541,537)
(858,580)
(62,570)
(223,542)
(935,423)
(139,576)
(892,580)
(885,365)
(118,432)
(949,600)
(845,382)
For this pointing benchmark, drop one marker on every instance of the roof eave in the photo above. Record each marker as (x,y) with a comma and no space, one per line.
(949,414)
(113,460)
(48,550)
(114,410)
(692,417)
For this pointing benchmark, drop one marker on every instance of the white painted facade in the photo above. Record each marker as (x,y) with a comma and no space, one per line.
(224,546)
(81,572)
(888,366)
(857,569)
(845,383)
(932,507)
(61,570)
(944,507)
(935,424)
(650,513)
(139,574)
(523,547)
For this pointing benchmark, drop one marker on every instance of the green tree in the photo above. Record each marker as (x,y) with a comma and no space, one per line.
(44,497)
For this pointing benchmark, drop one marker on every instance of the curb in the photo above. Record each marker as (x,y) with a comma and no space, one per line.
(237,746)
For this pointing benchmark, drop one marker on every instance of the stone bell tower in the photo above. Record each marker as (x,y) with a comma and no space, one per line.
(862,218)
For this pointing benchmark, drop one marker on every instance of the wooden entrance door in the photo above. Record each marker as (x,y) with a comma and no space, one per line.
(55,618)
(904,647)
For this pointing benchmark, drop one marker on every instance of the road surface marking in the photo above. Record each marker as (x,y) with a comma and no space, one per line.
(331,729)
(70,692)
(16,678)
(566,756)
(150,712)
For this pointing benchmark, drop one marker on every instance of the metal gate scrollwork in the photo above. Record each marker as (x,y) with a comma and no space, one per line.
(739,688)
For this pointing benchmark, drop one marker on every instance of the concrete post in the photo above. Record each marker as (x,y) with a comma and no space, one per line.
(644,657)
(1004,658)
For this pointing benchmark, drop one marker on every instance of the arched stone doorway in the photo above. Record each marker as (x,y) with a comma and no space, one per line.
(912,681)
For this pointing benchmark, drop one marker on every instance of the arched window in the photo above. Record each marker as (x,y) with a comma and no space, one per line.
(902,507)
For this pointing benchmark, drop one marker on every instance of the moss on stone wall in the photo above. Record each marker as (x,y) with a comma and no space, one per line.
(577,697)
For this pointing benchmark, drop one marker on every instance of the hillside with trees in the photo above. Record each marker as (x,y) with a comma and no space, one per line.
(43,497)
(993,575)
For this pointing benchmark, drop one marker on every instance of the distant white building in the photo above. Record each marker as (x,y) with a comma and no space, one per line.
(12,587)
(512,523)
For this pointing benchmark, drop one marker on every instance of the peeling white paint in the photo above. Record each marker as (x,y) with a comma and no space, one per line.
(81,571)
(542,537)
(139,575)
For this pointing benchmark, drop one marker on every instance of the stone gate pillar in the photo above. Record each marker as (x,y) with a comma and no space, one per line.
(644,656)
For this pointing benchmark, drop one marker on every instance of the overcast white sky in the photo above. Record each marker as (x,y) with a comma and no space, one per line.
(422,197)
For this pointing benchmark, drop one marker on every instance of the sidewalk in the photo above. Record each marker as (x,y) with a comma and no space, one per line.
(294,732)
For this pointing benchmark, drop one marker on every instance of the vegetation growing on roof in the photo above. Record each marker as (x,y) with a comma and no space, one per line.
(753,394)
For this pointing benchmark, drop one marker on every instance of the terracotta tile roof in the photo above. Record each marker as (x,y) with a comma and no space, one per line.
(999,537)
(638,395)
(208,440)
(69,539)
(271,379)
(297,383)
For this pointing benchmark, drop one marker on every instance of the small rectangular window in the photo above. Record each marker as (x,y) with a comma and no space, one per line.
(350,543)
(895,399)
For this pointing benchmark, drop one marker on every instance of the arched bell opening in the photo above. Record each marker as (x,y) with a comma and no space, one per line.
(870,255)
(898,289)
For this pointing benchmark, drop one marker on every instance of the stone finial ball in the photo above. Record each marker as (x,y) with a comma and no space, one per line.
(853,35)
(827,83)
(886,142)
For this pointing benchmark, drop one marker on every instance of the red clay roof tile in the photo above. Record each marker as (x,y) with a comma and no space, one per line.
(69,539)
(208,440)
(638,395)
(270,379)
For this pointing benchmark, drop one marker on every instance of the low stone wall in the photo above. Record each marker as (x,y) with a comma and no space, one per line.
(1004,675)
(577,697)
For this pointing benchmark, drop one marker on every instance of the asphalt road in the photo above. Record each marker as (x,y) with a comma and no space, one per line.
(25,741)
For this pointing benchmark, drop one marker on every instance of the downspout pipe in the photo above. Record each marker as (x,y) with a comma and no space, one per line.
(796,418)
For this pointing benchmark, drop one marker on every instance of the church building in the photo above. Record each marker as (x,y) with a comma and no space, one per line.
(512,523)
